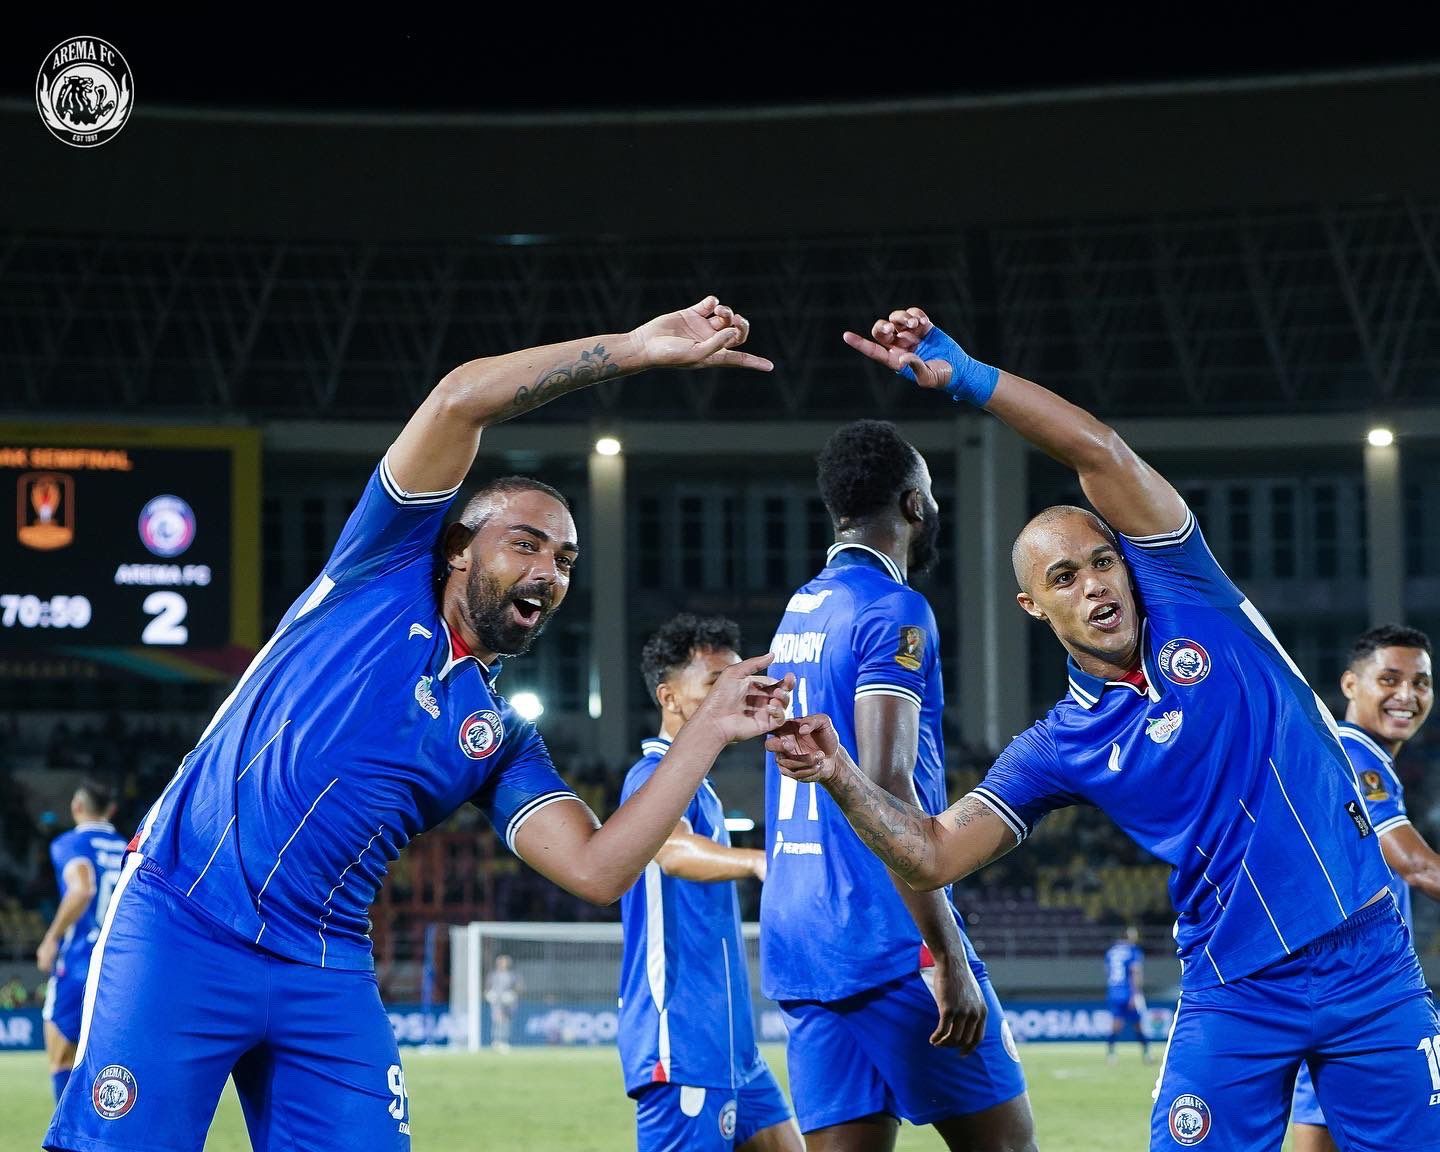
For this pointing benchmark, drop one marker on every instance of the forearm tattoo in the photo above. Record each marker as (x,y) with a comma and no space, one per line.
(594,365)
(894,830)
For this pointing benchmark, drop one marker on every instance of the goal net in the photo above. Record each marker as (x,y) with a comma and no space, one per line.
(559,984)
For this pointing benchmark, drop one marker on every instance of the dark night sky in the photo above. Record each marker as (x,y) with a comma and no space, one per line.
(513,67)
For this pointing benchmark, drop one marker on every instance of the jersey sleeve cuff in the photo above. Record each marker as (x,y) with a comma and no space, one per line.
(1165,539)
(527,810)
(411,499)
(1003,810)
(889,690)
(1391,824)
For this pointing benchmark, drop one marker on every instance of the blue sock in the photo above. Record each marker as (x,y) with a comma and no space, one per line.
(59,1080)
(970,380)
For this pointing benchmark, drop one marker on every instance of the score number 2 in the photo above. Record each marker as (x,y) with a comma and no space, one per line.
(169,609)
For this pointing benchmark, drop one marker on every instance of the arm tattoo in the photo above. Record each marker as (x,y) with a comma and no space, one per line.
(894,830)
(966,812)
(592,366)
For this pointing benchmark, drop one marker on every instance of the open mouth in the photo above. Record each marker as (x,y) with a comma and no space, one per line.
(527,610)
(1401,715)
(1107,617)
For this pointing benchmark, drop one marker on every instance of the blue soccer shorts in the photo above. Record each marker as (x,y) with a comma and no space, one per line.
(1125,1009)
(176,1002)
(677,1118)
(64,997)
(871,1053)
(1353,1003)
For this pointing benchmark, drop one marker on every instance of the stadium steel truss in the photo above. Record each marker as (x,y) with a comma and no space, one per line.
(1320,308)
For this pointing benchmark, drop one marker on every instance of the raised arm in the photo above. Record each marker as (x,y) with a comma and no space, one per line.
(1130,495)
(925,851)
(887,739)
(599,862)
(436,448)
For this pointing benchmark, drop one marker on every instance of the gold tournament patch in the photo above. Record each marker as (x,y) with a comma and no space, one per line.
(1374,786)
(912,647)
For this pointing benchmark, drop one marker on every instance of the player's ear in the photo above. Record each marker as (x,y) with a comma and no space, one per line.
(1028,605)
(457,539)
(912,506)
(1348,683)
(665,697)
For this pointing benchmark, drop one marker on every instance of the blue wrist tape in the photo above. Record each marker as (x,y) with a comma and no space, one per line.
(970,380)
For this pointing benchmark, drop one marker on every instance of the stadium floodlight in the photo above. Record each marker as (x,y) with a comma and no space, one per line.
(1380,437)
(596,707)
(607,446)
(739,824)
(528,705)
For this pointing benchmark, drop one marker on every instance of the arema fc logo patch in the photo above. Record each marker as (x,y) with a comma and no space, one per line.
(84,91)
(1189,1120)
(480,734)
(114,1092)
(1184,662)
(727,1120)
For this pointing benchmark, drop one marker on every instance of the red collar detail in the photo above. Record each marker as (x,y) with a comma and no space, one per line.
(1135,677)
(458,651)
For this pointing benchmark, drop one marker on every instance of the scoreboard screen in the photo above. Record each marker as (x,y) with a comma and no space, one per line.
(124,537)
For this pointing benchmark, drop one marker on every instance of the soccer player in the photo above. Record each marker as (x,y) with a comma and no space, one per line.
(1389,690)
(1188,724)
(236,937)
(502,993)
(87,865)
(879,1027)
(1125,991)
(687,1035)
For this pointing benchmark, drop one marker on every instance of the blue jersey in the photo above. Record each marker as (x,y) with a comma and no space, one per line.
(684,987)
(1121,960)
(100,846)
(1384,796)
(1227,766)
(355,728)
(831,922)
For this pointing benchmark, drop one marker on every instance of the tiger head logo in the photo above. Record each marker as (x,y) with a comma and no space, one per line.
(82,102)
(84,91)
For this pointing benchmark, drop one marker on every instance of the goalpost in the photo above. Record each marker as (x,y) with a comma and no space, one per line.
(566,979)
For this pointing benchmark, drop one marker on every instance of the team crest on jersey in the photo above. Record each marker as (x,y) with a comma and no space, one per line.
(912,647)
(114,1092)
(1189,1120)
(1184,662)
(425,698)
(1374,786)
(480,734)
(1161,728)
(727,1120)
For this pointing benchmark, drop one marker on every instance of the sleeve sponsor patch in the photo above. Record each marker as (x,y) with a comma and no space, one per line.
(1374,786)
(910,653)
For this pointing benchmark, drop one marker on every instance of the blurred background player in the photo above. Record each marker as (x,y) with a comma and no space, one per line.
(87,865)
(1190,726)
(1389,690)
(1125,991)
(502,992)
(841,946)
(687,1032)
(373,709)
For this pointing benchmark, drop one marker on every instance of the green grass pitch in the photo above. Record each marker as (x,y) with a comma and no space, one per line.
(539,1099)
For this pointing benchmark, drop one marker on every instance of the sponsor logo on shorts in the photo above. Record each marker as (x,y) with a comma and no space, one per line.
(1184,662)
(727,1120)
(1007,1037)
(1161,728)
(114,1092)
(480,734)
(84,92)
(1189,1120)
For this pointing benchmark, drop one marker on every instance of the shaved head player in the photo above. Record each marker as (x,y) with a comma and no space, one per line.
(235,942)
(1189,725)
